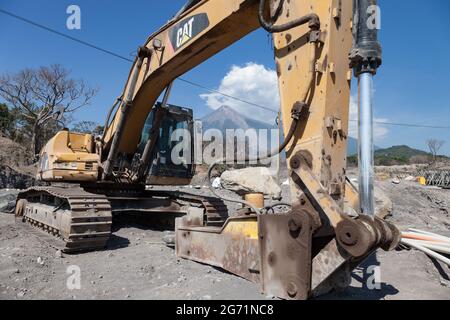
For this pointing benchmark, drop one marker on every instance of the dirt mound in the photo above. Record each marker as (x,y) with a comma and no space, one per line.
(12,179)
(16,165)
(14,154)
(419,207)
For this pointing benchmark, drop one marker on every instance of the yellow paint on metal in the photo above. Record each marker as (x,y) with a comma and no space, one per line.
(257,199)
(247,228)
(69,148)
(329,98)
(352,197)
(422,181)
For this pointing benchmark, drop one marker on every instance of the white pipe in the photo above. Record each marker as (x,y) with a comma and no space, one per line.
(366,152)
(429,252)
(435,247)
(430,234)
(434,243)
(424,237)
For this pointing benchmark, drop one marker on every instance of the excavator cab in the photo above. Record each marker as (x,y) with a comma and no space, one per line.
(173,159)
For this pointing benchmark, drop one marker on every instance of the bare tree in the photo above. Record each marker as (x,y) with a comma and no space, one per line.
(435,145)
(6,120)
(88,127)
(38,94)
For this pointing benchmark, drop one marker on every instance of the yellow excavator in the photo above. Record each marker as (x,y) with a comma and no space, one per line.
(305,252)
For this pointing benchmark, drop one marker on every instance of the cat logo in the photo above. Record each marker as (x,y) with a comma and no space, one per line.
(187,29)
(184,34)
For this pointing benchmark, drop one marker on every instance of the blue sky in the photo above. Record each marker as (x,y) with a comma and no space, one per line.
(413,85)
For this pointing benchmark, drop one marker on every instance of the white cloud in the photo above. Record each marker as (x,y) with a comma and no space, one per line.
(254,83)
(380,131)
(257,84)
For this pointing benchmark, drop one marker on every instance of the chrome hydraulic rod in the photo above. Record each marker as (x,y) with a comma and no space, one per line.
(366,148)
(365,58)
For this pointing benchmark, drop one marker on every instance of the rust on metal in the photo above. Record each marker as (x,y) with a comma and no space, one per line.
(233,247)
(286,243)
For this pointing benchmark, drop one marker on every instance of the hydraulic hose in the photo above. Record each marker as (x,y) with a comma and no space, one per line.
(189,4)
(126,105)
(313,20)
(280,149)
(312,67)
(296,114)
(108,117)
(278,204)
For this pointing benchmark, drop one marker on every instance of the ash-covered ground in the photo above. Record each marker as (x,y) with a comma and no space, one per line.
(137,264)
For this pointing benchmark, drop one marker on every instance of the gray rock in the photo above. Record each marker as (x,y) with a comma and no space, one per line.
(10,178)
(8,200)
(169,239)
(251,180)
(383,204)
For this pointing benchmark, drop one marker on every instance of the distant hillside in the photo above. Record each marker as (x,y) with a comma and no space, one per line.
(397,155)
(353,146)
(400,152)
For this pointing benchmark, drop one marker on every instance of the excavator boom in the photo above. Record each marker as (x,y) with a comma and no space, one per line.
(195,35)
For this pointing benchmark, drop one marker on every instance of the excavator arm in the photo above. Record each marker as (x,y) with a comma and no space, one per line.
(201,31)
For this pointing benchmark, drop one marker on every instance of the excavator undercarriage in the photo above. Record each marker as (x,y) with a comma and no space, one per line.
(80,218)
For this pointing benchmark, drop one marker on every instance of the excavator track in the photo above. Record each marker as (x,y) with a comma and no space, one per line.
(216,212)
(77,220)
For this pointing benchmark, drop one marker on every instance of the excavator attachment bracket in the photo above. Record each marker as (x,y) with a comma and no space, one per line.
(234,247)
(286,242)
